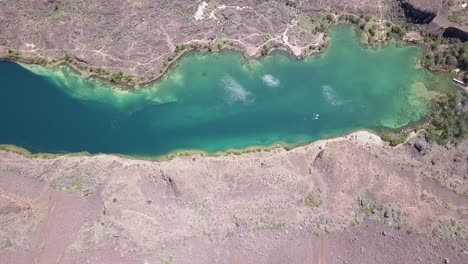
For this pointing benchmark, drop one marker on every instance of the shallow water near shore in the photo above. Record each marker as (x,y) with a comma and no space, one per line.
(216,102)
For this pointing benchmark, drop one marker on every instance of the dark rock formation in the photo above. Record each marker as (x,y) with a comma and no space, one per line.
(419,147)
(452,32)
(417,14)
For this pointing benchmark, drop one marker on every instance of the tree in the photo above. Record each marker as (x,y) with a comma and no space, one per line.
(397,29)
(373,30)
(451,61)
(330,18)
(320,28)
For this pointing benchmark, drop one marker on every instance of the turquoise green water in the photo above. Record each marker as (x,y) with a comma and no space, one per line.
(215,102)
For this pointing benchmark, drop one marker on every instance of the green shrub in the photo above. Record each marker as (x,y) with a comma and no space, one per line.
(449,121)
(265,50)
(312,200)
(373,30)
(180,48)
(330,18)
(397,29)
(13,54)
(456,17)
(394,139)
(321,28)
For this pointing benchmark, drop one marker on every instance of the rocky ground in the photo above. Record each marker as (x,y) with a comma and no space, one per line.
(140,38)
(346,200)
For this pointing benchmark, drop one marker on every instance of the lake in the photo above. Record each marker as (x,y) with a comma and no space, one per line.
(221,101)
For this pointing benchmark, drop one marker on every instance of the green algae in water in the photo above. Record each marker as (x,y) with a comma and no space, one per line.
(216,102)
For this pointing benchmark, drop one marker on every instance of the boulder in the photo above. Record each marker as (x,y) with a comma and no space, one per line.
(419,147)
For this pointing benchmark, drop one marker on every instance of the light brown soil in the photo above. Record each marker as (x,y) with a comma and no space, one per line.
(346,200)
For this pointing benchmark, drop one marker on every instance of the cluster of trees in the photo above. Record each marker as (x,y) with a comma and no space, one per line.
(394,139)
(449,124)
(449,120)
(120,77)
(321,22)
(446,53)
(265,50)
(397,29)
(350,18)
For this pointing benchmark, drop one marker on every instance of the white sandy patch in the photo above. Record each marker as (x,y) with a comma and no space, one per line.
(29,45)
(221,7)
(270,81)
(295,50)
(360,137)
(200,11)
(235,91)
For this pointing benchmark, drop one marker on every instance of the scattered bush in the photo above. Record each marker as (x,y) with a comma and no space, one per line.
(373,30)
(330,18)
(116,77)
(180,48)
(313,200)
(321,28)
(397,29)
(265,50)
(120,77)
(456,17)
(12,54)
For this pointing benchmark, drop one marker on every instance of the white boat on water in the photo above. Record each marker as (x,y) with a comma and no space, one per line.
(459,82)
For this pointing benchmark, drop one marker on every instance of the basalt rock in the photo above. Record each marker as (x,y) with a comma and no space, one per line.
(453,32)
(417,12)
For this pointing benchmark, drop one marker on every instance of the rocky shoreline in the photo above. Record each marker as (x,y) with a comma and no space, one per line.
(363,136)
(302,35)
(252,207)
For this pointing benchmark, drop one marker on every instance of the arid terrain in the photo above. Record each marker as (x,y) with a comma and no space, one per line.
(352,199)
(346,200)
(140,38)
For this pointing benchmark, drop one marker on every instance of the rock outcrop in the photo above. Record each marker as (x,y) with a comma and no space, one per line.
(453,32)
(418,12)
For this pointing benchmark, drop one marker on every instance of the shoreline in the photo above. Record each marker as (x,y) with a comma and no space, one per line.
(399,132)
(363,136)
(87,71)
